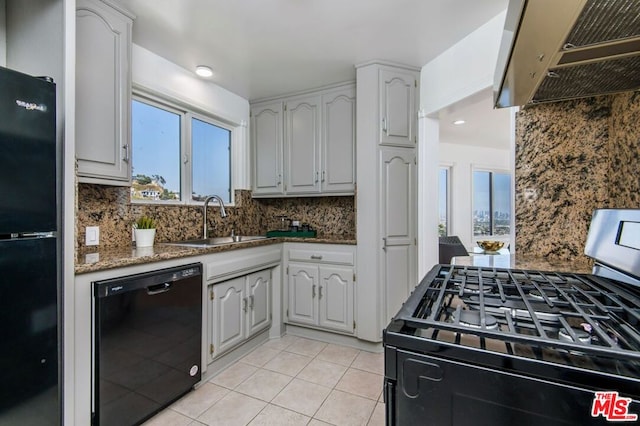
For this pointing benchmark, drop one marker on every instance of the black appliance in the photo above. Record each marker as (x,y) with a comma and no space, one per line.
(29,251)
(489,346)
(147,343)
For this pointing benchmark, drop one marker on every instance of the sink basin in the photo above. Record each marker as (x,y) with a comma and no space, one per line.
(207,242)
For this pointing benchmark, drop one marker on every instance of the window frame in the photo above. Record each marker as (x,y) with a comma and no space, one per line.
(187,112)
(449,168)
(491,170)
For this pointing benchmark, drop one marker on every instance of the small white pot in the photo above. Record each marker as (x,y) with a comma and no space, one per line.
(144,237)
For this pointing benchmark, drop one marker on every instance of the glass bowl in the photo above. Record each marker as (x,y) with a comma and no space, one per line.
(490,246)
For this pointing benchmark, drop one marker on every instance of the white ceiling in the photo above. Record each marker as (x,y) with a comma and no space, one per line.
(484,125)
(262,48)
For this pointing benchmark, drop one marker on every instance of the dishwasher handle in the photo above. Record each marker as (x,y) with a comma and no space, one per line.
(152,290)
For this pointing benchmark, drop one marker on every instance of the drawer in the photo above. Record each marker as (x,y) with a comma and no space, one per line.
(321,256)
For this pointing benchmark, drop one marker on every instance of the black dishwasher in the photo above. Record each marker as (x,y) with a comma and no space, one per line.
(147,343)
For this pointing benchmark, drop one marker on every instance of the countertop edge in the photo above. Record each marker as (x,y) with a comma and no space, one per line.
(112,258)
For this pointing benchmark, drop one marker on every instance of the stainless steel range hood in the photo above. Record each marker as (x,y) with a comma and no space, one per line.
(555,50)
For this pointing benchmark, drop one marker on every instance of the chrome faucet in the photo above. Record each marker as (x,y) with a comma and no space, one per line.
(223,213)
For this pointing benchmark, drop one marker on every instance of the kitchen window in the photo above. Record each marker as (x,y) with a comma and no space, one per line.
(443,201)
(178,155)
(491,203)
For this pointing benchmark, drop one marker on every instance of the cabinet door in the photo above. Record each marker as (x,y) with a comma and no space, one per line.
(267,142)
(397,108)
(103,92)
(229,307)
(397,219)
(259,295)
(335,295)
(303,289)
(338,141)
(302,136)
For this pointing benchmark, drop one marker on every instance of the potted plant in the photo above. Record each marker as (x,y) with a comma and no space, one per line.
(145,231)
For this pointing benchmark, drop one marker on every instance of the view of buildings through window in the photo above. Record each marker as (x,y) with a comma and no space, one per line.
(159,147)
(491,203)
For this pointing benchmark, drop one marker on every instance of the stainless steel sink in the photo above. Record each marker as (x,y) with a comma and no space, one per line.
(215,241)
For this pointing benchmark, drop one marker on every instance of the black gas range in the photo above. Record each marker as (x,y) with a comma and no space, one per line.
(489,346)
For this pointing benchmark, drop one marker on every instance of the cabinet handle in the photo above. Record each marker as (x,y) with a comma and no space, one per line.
(320,292)
(317,177)
(125,148)
(279,180)
(313,291)
(323,176)
(316,257)
(251,302)
(244,304)
(384,124)
(384,243)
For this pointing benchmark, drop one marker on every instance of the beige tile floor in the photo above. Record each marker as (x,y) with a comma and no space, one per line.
(287,381)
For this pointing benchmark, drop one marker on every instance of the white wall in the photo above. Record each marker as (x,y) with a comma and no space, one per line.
(159,76)
(3,33)
(463,70)
(463,159)
(34,37)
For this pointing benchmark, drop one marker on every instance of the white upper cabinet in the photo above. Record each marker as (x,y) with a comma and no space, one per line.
(103,93)
(302,136)
(267,148)
(398,108)
(309,148)
(337,171)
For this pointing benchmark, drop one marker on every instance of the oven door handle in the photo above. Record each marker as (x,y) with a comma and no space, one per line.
(389,400)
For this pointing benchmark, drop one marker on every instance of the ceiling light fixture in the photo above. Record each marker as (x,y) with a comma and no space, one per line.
(459,122)
(204,71)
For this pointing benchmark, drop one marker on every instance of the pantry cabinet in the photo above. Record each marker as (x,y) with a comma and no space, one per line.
(320,287)
(398,115)
(386,198)
(305,145)
(103,92)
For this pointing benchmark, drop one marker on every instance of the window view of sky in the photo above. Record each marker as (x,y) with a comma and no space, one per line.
(211,160)
(156,144)
(156,156)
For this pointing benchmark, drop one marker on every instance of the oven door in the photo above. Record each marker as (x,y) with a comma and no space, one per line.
(432,391)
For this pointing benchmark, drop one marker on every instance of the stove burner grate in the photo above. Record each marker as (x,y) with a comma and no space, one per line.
(474,319)
(529,308)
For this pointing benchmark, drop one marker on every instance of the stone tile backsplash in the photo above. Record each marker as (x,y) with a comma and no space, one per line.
(111,209)
(571,158)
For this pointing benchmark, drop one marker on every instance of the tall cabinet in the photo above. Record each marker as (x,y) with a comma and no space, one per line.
(103,92)
(387,191)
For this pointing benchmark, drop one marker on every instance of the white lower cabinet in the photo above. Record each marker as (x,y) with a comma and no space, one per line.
(321,293)
(239,309)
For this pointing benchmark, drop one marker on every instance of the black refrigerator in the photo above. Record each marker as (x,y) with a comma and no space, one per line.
(29,252)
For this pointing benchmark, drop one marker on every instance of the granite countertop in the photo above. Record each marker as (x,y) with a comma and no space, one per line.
(522,262)
(92,260)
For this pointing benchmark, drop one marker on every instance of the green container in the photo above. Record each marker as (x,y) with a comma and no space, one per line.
(292,234)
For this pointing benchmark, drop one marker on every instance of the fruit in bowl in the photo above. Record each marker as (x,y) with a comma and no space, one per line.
(490,246)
